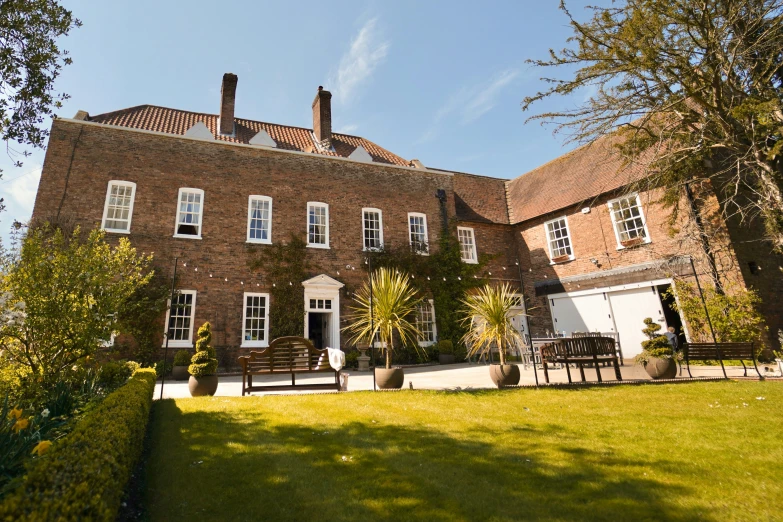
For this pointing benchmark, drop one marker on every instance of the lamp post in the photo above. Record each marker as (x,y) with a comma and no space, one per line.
(166,350)
(372,321)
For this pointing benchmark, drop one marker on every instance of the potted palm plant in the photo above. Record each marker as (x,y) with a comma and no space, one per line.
(488,313)
(203,365)
(382,313)
(181,362)
(658,356)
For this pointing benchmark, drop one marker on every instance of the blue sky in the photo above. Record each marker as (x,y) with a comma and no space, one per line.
(438,81)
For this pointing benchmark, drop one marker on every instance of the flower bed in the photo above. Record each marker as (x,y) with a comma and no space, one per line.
(84,475)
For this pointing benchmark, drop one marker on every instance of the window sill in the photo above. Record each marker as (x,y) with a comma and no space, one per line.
(115,231)
(259,241)
(186,236)
(620,246)
(324,247)
(558,261)
(255,344)
(373,249)
(470,261)
(426,344)
(178,344)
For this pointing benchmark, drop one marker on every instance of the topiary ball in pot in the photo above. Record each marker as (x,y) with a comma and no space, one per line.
(203,367)
(445,352)
(181,362)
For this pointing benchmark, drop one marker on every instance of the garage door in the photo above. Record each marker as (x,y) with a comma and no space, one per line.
(584,313)
(630,308)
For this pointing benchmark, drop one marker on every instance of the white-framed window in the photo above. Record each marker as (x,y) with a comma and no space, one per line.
(558,240)
(318,305)
(467,245)
(425,322)
(417,227)
(259,220)
(317,225)
(118,209)
(255,321)
(630,227)
(179,319)
(190,209)
(372,228)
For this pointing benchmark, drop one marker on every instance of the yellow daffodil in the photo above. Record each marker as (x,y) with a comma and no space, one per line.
(20,424)
(42,447)
(15,413)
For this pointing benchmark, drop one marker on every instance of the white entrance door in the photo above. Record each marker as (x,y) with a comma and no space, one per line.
(322,309)
(584,313)
(630,308)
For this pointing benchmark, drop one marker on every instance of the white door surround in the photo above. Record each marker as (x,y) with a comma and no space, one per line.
(320,289)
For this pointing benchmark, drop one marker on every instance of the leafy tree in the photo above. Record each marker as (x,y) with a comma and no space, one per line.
(689,88)
(30,62)
(61,296)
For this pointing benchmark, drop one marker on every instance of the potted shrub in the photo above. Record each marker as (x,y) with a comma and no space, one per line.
(387,314)
(488,314)
(203,367)
(445,352)
(181,362)
(658,356)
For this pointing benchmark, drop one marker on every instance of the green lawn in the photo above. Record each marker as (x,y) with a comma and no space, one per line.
(697,451)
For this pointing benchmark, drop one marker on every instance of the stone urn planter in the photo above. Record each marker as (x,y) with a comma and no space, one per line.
(391,379)
(661,368)
(205,385)
(446,358)
(504,374)
(180,373)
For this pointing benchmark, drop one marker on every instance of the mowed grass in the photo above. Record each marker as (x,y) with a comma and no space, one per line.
(696,451)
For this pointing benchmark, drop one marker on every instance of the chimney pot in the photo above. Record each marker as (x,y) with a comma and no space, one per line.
(322,117)
(228,93)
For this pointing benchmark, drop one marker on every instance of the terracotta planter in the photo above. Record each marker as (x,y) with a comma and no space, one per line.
(560,259)
(180,373)
(661,368)
(446,358)
(504,374)
(389,379)
(200,386)
(632,242)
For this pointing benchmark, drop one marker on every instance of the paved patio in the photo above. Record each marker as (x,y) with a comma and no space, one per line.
(438,378)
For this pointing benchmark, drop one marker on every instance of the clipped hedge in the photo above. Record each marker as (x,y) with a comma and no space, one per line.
(84,475)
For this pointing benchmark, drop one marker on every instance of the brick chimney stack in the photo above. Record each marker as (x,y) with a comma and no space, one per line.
(228,93)
(322,117)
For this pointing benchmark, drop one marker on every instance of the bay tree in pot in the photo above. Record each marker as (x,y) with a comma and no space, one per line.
(445,351)
(203,367)
(658,356)
(181,362)
(488,316)
(386,316)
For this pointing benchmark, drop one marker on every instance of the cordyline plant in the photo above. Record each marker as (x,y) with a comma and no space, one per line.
(487,315)
(60,297)
(394,302)
(690,89)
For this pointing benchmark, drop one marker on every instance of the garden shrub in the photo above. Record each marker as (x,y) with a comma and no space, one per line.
(352,359)
(445,346)
(113,374)
(162,367)
(203,363)
(182,358)
(83,476)
(656,345)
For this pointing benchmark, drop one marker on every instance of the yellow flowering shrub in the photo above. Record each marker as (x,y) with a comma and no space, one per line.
(83,476)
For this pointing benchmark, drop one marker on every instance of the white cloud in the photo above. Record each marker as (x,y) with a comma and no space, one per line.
(468,104)
(359,62)
(22,190)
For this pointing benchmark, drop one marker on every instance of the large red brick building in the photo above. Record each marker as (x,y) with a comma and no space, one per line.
(212,189)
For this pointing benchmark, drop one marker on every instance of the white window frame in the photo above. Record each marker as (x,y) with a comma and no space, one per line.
(268,240)
(326,233)
(473,260)
(571,256)
(423,343)
(130,207)
(426,233)
(380,229)
(641,214)
(200,214)
(182,343)
(255,344)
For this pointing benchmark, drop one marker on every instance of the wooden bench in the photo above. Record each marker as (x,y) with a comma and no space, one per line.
(720,352)
(580,351)
(294,355)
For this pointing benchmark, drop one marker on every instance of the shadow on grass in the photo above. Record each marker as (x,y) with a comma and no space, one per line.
(245,466)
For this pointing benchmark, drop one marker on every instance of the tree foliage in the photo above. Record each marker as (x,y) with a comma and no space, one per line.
(690,88)
(61,296)
(30,62)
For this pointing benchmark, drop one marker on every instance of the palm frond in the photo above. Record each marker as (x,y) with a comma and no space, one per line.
(487,315)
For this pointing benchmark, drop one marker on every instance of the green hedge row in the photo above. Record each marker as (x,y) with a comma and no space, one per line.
(84,475)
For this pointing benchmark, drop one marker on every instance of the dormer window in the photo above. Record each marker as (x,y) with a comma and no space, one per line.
(191,207)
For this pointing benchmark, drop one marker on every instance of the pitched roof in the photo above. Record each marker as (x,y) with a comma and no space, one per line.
(174,121)
(575,177)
